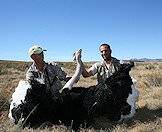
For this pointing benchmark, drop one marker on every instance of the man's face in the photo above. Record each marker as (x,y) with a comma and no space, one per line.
(105,53)
(37,58)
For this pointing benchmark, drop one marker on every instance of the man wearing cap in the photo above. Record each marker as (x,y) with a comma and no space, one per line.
(46,73)
(105,68)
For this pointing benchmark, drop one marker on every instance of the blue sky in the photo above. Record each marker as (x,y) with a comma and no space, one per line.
(133,28)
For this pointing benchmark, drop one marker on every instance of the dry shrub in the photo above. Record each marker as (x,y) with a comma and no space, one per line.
(14,64)
(147,77)
(150,66)
(54,128)
(160,66)
(3,71)
(153,78)
(72,65)
(4,102)
(154,98)
(67,65)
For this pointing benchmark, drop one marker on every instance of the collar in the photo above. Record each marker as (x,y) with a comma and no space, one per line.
(34,66)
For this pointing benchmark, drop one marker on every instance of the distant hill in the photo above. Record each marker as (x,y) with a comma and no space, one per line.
(146,60)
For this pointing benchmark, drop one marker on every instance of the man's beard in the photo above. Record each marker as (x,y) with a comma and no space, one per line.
(106,57)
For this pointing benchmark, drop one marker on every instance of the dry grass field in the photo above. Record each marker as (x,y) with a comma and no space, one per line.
(149,112)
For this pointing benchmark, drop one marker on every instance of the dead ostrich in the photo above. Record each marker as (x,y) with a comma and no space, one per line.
(34,103)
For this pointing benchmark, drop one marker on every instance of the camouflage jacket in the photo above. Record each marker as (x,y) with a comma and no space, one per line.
(51,77)
(103,70)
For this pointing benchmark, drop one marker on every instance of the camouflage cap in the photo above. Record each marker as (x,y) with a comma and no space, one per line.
(35,50)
